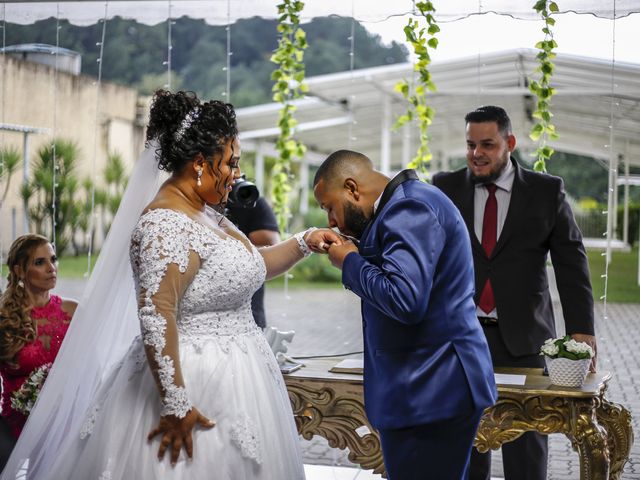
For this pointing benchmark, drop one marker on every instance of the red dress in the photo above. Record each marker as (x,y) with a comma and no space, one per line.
(53,323)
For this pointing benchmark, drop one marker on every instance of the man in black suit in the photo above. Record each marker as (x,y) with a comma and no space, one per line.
(515,217)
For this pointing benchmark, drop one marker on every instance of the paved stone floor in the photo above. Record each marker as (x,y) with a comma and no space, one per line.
(327,322)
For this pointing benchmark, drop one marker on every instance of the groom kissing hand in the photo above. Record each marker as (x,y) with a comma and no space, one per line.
(427,369)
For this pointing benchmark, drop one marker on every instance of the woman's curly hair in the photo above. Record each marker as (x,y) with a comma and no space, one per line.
(214,126)
(17,328)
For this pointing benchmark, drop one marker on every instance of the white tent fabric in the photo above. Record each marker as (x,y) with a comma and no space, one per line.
(586,108)
(219,12)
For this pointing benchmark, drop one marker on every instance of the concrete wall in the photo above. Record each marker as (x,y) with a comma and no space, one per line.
(35,95)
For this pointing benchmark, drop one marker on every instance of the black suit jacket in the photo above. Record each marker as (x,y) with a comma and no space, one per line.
(539,220)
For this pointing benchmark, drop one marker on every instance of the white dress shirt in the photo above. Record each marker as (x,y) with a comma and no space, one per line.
(503,196)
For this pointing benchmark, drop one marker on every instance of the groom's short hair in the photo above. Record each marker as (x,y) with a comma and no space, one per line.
(340,164)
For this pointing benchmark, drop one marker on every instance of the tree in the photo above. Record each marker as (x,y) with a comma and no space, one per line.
(9,160)
(136,54)
(52,202)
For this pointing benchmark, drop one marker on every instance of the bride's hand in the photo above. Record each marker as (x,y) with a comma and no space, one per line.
(176,432)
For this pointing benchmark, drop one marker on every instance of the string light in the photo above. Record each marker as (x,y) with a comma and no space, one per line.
(169,46)
(2,113)
(478,65)
(612,172)
(352,61)
(95,140)
(227,67)
(54,156)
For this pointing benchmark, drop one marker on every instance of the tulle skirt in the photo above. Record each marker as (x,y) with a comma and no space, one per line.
(233,380)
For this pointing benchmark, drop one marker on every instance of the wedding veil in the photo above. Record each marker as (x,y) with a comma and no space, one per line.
(103,327)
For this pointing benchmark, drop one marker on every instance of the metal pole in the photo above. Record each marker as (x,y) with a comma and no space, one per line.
(385,144)
(25,180)
(259,169)
(625,220)
(615,195)
(304,182)
(406,144)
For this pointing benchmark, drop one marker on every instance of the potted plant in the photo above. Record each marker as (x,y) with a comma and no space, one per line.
(567,360)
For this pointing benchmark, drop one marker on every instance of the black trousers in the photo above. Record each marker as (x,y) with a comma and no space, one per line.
(526,457)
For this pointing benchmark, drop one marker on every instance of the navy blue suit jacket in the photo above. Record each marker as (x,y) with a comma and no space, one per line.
(425,356)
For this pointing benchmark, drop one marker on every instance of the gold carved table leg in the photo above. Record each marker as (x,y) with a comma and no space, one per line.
(589,439)
(321,411)
(617,422)
(511,416)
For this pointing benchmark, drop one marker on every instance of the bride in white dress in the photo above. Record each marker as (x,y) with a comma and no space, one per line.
(213,404)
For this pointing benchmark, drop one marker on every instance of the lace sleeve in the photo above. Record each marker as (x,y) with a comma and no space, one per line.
(164,264)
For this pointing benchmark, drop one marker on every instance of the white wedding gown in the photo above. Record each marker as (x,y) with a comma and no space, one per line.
(230,374)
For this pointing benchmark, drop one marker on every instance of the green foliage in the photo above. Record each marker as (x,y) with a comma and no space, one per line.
(634,222)
(563,352)
(543,129)
(622,281)
(65,201)
(134,52)
(315,268)
(52,195)
(150,82)
(288,85)
(418,109)
(9,160)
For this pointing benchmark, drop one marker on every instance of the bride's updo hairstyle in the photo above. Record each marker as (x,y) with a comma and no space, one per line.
(183,127)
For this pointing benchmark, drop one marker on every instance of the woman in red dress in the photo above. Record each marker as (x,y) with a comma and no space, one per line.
(33,322)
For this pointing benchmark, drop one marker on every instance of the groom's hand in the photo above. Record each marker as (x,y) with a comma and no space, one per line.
(338,252)
(321,239)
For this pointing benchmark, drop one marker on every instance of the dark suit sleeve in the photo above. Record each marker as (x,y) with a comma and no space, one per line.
(397,280)
(571,269)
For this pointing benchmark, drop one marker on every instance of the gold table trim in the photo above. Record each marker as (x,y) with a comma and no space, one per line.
(331,405)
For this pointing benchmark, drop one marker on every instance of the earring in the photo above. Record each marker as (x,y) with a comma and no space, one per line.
(198,181)
(20,283)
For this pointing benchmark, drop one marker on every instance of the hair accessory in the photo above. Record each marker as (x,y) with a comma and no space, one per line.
(20,283)
(198,181)
(186,123)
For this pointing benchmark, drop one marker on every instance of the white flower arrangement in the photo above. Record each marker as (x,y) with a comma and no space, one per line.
(23,399)
(566,347)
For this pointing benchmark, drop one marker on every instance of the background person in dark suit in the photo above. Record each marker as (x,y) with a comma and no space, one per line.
(427,367)
(515,217)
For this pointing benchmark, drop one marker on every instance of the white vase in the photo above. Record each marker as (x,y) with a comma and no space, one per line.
(566,372)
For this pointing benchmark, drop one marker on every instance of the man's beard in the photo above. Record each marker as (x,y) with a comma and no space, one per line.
(492,177)
(355,220)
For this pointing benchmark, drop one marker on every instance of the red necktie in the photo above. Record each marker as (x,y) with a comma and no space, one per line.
(489,236)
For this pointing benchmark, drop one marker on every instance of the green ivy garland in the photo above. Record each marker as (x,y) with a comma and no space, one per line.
(288,85)
(418,108)
(543,129)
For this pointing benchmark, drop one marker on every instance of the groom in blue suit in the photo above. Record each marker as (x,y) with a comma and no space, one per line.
(427,368)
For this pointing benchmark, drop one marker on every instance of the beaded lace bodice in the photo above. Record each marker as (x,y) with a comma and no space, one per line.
(209,275)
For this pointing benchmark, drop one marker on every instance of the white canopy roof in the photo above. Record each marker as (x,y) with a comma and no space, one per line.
(218,12)
(357,109)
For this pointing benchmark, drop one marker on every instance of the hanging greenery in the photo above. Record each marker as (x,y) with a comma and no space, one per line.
(416,94)
(543,130)
(288,85)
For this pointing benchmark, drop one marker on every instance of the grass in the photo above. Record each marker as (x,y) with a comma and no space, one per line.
(75,267)
(622,286)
